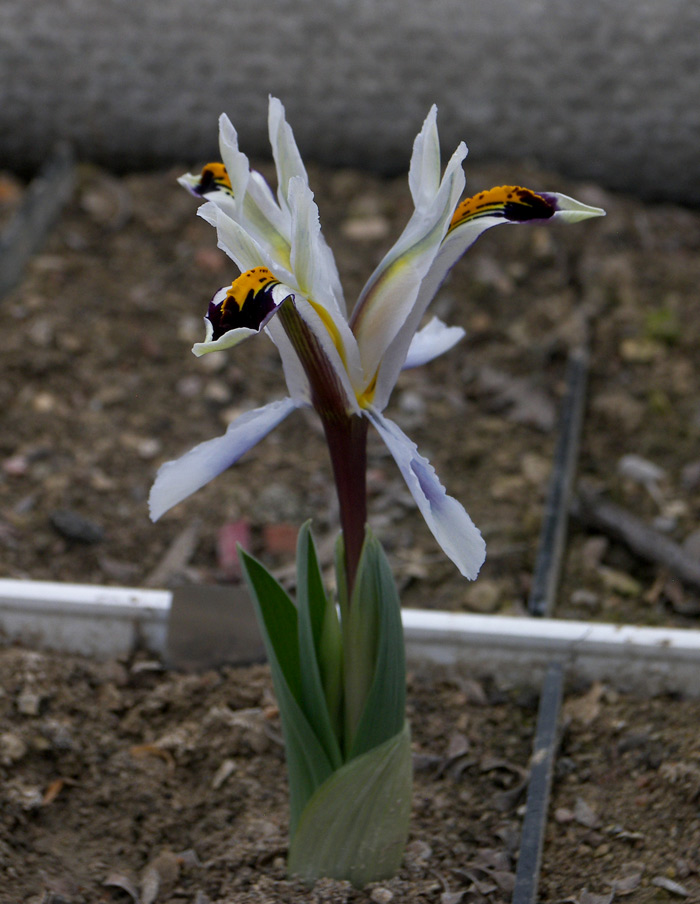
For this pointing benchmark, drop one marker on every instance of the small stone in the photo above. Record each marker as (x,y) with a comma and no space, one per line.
(28,703)
(75,527)
(28,797)
(12,748)
(585,815)
(690,476)
(366,229)
(189,387)
(563,815)
(148,448)
(508,486)
(640,470)
(640,351)
(585,598)
(226,769)
(536,469)
(43,403)
(381,895)
(418,852)
(16,465)
(412,403)
(217,391)
(669,885)
(483,596)
(619,582)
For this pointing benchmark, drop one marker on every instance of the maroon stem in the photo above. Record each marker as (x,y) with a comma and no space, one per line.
(347,443)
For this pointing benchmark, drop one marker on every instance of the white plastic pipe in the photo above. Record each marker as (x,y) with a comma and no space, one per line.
(114,621)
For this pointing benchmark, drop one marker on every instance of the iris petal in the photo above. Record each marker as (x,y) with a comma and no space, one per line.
(433,340)
(176,480)
(450,524)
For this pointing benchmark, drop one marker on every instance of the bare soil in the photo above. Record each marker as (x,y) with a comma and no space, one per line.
(122,782)
(99,387)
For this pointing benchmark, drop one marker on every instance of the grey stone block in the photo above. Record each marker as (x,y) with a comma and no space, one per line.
(602,89)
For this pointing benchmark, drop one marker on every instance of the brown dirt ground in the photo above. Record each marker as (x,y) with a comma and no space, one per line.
(168,784)
(99,387)
(120,780)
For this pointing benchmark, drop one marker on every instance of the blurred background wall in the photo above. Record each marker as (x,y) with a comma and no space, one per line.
(607,90)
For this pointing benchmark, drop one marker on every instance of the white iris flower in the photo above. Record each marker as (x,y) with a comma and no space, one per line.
(345,366)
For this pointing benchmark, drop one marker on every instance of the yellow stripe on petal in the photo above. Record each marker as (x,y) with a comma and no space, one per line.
(511,202)
(366,397)
(327,321)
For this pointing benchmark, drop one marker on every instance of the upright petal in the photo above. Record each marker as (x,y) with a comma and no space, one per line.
(176,480)
(391,292)
(235,161)
(450,524)
(424,172)
(316,276)
(285,152)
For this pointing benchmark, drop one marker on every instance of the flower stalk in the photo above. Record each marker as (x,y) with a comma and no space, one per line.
(347,444)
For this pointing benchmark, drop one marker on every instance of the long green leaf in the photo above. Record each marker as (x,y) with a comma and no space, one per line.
(384,710)
(356,825)
(307,762)
(360,636)
(313,610)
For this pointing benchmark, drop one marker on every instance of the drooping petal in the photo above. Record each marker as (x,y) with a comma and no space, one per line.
(241,310)
(213,179)
(391,292)
(472,217)
(433,340)
(424,172)
(176,480)
(450,524)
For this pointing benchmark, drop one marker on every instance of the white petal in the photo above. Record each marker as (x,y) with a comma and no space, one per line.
(450,524)
(424,172)
(388,298)
(570,210)
(243,248)
(176,480)
(433,340)
(294,374)
(234,160)
(284,150)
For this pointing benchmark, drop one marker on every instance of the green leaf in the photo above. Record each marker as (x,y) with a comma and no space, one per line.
(360,626)
(384,709)
(307,761)
(314,611)
(356,824)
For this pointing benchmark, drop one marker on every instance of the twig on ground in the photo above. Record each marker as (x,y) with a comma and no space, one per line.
(592,511)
